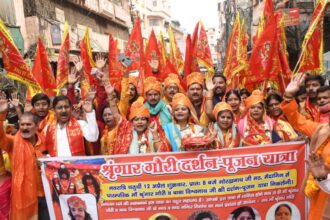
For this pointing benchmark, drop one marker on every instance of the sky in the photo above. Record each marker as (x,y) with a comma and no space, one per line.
(189,12)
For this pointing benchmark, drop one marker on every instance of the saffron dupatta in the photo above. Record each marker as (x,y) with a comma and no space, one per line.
(228,140)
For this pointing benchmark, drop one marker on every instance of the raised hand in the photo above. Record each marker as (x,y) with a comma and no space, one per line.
(100,61)
(87,105)
(317,166)
(154,64)
(73,77)
(212,131)
(91,93)
(3,103)
(209,84)
(294,85)
(78,65)
(28,107)
(14,99)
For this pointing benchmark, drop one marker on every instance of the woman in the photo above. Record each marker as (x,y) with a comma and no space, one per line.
(282,127)
(283,212)
(110,131)
(255,127)
(234,100)
(243,213)
(136,136)
(224,129)
(185,122)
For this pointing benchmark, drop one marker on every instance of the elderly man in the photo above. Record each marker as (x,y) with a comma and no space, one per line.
(195,83)
(157,107)
(65,136)
(319,133)
(24,148)
(171,87)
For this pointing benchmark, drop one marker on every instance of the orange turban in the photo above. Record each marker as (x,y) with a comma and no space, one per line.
(255,98)
(172,79)
(221,106)
(75,201)
(138,110)
(133,80)
(181,99)
(151,83)
(195,77)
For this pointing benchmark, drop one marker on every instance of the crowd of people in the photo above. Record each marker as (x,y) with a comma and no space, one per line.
(165,118)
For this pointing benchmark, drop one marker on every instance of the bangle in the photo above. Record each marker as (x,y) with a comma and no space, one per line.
(208,98)
(320,179)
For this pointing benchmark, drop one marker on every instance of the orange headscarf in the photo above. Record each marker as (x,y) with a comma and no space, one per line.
(255,98)
(138,110)
(173,79)
(133,80)
(75,201)
(151,83)
(195,77)
(221,106)
(181,99)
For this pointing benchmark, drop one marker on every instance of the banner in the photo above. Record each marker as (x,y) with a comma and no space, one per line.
(179,186)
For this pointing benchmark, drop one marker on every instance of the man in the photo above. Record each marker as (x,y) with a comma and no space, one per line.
(319,133)
(171,87)
(65,136)
(309,108)
(78,209)
(220,86)
(24,148)
(157,107)
(41,105)
(323,101)
(195,83)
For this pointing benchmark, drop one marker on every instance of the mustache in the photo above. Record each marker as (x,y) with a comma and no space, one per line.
(25,131)
(64,114)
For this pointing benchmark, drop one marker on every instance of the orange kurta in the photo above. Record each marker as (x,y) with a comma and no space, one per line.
(310,129)
(26,178)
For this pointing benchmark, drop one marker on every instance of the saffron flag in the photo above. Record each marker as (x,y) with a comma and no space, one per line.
(188,57)
(193,59)
(42,70)
(232,65)
(175,53)
(152,53)
(162,47)
(63,65)
(14,64)
(134,50)
(243,57)
(312,46)
(115,67)
(203,53)
(87,57)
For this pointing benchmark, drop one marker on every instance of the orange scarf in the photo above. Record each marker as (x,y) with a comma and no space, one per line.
(75,137)
(46,121)
(284,129)
(108,140)
(24,201)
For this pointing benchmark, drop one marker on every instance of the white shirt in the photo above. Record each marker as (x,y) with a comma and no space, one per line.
(325,185)
(89,129)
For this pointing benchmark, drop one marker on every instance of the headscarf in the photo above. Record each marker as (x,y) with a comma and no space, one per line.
(221,106)
(173,79)
(75,201)
(138,110)
(195,77)
(151,83)
(255,98)
(181,99)
(133,80)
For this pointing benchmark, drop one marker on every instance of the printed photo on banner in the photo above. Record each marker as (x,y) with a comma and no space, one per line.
(78,207)
(244,212)
(162,216)
(283,211)
(203,215)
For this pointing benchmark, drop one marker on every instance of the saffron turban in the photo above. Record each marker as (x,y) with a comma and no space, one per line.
(151,83)
(195,77)
(133,80)
(75,201)
(221,106)
(255,98)
(181,99)
(138,110)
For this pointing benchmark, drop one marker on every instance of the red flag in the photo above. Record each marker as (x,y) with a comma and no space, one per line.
(134,50)
(42,70)
(188,57)
(170,68)
(311,58)
(268,13)
(175,53)
(193,61)
(63,65)
(87,57)
(152,52)
(14,63)
(115,67)
(203,53)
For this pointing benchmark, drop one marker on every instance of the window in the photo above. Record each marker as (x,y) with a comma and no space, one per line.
(153,22)
(154,3)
